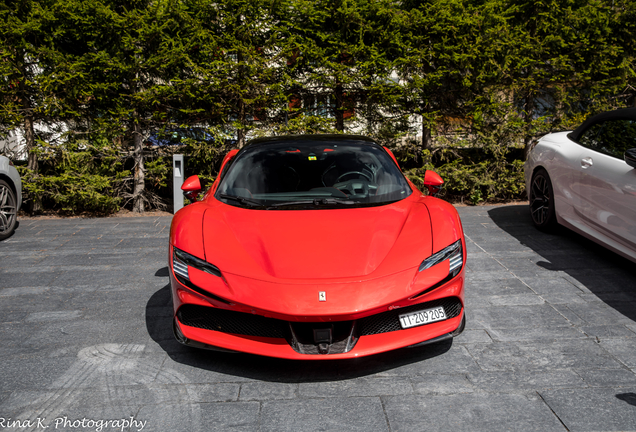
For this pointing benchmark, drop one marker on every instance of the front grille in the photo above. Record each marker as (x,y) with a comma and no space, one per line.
(338,347)
(345,332)
(389,321)
(344,338)
(231,322)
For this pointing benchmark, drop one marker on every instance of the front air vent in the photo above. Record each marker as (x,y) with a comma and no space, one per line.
(301,336)
(227,321)
(389,321)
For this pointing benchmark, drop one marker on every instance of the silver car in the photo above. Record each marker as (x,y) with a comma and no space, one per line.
(586,180)
(10,197)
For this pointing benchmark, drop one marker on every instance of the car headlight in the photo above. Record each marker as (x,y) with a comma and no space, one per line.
(454,253)
(182,260)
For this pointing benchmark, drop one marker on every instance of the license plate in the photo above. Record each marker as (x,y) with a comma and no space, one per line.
(422,317)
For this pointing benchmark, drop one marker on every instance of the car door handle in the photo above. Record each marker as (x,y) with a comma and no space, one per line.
(586,162)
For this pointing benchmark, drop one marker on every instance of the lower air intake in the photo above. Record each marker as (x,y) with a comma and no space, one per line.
(301,335)
(389,321)
(231,322)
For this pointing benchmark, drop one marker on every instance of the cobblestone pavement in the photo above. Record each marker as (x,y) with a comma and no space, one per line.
(550,343)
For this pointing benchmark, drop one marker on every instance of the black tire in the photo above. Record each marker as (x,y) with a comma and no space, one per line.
(8,210)
(541,199)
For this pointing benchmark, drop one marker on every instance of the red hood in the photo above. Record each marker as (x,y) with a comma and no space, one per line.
(358,243)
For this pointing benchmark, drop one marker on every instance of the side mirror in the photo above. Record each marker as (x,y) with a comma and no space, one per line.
(433,182)
(191,187)
(630,157)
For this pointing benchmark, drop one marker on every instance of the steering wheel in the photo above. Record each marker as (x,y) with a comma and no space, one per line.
(354,188)
(365,175)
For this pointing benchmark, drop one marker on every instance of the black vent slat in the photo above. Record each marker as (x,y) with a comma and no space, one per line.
(388,321)
(231,322)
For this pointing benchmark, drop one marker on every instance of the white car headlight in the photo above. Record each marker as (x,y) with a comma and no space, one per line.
(182,260)
(454,253)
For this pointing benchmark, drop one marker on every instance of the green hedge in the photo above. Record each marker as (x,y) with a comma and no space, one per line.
(473,176)
(78,178)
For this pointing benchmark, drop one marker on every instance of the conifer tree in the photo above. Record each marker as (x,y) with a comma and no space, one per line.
(25,101)
(340,57)
(442,65)
(563,58)
(238,67)
(121,59)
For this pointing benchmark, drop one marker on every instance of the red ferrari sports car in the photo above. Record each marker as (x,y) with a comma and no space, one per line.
(316,247)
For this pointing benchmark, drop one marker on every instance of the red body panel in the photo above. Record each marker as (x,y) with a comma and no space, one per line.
(274,263)
(273,347)
(322,244)
(345,300)
(186,230)
(445,223)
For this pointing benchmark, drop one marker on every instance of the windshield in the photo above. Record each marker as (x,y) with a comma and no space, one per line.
(305,173)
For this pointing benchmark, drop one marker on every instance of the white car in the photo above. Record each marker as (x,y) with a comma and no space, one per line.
(10,197)
(586,180)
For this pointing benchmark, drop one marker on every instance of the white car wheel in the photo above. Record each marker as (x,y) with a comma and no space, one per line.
(8,210)
(542,201)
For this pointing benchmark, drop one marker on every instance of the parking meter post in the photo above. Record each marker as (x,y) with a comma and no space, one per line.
(177,181)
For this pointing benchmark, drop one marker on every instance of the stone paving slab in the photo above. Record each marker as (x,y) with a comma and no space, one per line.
(85,309)
(471,412)
(594,409)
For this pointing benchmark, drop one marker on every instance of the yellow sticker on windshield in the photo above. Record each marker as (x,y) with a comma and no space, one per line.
(312,158)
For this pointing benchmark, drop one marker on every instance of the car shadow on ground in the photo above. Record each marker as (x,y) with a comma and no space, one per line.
(159,326)
(630,398)
(607,275)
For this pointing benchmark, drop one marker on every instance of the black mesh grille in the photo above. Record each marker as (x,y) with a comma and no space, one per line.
(388,321)
(231,322)
(226,321)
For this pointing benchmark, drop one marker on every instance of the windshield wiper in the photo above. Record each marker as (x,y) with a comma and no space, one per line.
(242,200)
(316,202)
